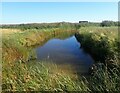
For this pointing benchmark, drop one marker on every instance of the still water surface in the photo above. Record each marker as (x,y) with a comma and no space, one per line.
(65,52)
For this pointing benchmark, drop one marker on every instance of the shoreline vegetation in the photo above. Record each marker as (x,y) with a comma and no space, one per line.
(19,73)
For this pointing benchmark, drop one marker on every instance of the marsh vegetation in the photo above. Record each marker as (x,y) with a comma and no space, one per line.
(23,71)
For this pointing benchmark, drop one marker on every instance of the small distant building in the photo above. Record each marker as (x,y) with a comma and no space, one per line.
(83,21)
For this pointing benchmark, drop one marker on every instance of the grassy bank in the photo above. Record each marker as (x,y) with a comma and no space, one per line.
(101,42)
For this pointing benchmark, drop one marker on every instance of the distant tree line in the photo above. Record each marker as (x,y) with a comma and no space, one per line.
(61,24)
(40,25)
(102,24)
(109,23)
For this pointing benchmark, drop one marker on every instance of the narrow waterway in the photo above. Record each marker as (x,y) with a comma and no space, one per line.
(65,52)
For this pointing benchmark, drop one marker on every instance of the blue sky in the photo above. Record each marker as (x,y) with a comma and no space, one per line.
(39,12)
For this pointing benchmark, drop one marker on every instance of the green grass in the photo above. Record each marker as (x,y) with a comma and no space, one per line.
(38,77)
(105,79)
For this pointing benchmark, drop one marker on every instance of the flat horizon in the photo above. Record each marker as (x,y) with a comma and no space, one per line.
(53,22)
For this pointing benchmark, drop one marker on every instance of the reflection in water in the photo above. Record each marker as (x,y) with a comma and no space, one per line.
(65,52)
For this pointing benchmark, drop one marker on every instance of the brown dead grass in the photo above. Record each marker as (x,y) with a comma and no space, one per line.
(10,55)
(9,31)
